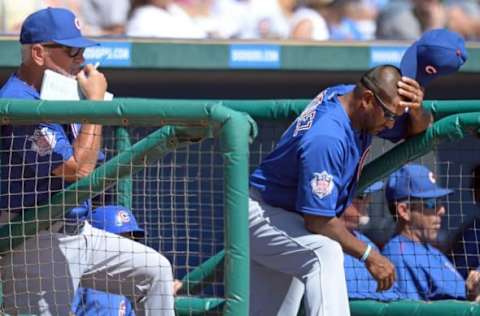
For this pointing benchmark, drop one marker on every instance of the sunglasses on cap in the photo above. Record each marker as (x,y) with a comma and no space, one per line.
(71,51)
(387,114)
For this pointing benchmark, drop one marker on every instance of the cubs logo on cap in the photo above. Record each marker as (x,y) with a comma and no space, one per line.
(55,25)
(115,219)
(122,218)
(438,52)
(414,181)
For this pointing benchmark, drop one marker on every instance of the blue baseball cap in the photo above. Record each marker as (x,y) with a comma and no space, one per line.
(375,187)
(438,52)
(56,25)
(115,219)
(414,181)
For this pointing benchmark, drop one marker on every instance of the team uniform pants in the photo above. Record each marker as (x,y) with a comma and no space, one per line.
(288,263)
(41,275)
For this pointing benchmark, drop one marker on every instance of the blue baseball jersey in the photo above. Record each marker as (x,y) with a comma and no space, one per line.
(423,272)
(360,283)
(92,302)
(29,155)
(316,164)
(466,250)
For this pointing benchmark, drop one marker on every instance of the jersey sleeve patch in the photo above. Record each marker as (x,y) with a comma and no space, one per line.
(322,184)
(43,141)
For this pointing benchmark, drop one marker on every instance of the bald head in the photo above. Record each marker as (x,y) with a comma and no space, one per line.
(383,80)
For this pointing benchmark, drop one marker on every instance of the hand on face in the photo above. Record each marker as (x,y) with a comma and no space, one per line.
(92,82)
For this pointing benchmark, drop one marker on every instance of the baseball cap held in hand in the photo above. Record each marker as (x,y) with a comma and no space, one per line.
(413,181)
(55,25)
(438,52)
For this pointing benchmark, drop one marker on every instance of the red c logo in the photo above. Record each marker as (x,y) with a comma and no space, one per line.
(430,70)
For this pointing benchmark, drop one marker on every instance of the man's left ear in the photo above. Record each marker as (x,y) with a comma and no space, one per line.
(403,211)
(367,97)
(38,54)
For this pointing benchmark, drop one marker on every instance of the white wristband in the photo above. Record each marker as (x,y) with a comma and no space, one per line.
(366,253)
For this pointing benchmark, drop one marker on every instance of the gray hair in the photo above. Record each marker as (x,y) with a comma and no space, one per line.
(26,52)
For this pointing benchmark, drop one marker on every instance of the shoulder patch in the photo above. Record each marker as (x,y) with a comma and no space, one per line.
(43,141)
(322,184)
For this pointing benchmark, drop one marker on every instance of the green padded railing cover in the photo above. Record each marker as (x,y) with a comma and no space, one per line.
(234,130)
(414,308)
(452,125)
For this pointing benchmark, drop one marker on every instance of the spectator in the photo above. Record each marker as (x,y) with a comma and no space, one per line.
(38,161)
(363,14)
(105,17)
(360,284)
(12,14)
(418,15)
(416,202)
(161,18)
(268,19)
(308,21)
(341,20)
(217,18)
(464,18)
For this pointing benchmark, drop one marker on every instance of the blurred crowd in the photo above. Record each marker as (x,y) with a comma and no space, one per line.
(259,19)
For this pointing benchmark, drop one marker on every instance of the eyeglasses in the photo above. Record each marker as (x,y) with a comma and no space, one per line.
(387,114)
(71,51)
(430,204)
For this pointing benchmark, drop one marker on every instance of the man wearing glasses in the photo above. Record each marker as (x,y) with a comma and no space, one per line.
(300,190)
(303,186)
(417,204)
(37,161)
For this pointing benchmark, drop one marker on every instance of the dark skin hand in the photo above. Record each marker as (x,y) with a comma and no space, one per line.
(381,269)
(412,98)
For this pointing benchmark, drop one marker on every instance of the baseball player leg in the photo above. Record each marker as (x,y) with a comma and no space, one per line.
(280,242)
(36,276)
(264,282)
(122,266)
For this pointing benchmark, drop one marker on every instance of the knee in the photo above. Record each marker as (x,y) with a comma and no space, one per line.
(332,253)
(328,254)
(158,267)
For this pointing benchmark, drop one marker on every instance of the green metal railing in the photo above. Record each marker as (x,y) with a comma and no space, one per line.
(183,122)
(454,119)
(222,118)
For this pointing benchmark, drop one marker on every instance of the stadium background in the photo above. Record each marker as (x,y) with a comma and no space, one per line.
(262,70)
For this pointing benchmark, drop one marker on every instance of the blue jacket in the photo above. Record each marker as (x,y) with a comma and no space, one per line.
(360,283)
(96,303)
(423,272)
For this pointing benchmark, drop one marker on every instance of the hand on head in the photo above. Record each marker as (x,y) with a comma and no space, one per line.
(411,93)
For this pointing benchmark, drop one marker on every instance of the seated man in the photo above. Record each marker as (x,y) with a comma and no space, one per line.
(360,284)
(116,220)
(424,273)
